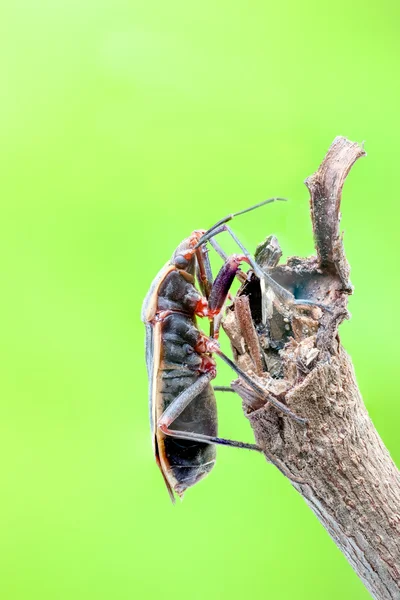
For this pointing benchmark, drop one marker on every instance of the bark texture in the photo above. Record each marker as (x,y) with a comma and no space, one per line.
(350,480)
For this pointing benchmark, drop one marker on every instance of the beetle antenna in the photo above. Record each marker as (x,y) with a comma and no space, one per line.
(236,214)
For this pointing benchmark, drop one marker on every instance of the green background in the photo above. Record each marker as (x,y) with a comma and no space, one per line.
(124,126)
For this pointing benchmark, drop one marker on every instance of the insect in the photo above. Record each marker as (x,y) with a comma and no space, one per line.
(179,357)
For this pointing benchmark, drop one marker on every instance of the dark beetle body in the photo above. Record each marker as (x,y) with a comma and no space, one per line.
(183,411)
(174,363)
(187,461)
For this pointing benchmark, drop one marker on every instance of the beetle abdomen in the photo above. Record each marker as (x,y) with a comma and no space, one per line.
(184,462)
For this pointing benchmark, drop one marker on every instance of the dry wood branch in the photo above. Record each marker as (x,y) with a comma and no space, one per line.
(352,485)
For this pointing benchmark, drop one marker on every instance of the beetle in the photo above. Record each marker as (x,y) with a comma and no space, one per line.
(179,357)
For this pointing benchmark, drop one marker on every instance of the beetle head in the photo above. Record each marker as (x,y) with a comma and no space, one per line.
(184,256)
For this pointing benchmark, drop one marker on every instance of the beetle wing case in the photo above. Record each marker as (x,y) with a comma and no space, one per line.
(149,306)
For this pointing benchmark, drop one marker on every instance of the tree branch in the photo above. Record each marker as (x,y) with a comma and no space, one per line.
(351,483)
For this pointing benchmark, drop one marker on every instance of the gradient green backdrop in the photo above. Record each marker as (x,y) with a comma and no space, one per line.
(125,125)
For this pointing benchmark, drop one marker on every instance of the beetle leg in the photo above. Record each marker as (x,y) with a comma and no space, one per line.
(205,277)
(217,324)
(209,439)
(179,404)
(279,290)
(204,272)
(223,283)
(213,347)
(223,388)
(208,287)
(218,249)
(282,293)
(242,277)
(260,391)
(284,296)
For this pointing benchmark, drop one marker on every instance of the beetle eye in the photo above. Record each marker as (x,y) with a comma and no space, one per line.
(180,261)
